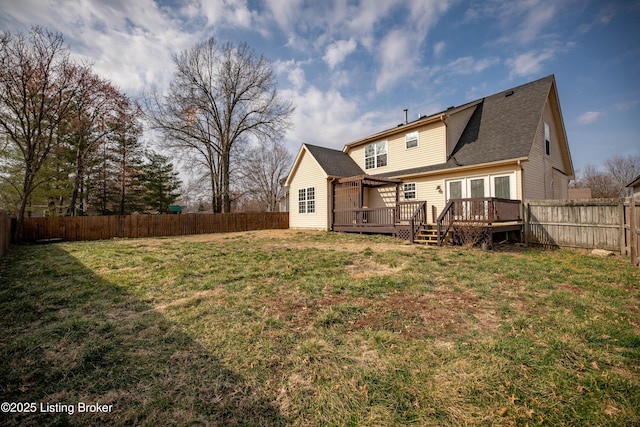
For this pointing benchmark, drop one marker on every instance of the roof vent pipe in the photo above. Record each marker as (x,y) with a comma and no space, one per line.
(406,111)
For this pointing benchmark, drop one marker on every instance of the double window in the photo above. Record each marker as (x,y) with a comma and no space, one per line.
(307,200)
(375,155)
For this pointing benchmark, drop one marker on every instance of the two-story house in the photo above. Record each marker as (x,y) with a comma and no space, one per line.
(510,145)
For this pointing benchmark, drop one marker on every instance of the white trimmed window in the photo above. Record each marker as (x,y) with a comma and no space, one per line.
(411,140)
(375,155)
(307,200)
(502,187)
(409,191)
(547,139)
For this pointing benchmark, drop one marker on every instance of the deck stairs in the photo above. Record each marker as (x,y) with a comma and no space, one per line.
(428,235)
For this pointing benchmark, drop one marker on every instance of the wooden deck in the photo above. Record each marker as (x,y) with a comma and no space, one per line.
(402,220)
(407,219)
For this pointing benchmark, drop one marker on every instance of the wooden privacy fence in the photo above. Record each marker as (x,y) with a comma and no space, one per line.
(610,224)
(5,232)
(133,226)
(591,223)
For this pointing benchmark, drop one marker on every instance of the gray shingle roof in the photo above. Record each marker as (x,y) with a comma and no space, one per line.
(501,128)
(504,127)
(334,162)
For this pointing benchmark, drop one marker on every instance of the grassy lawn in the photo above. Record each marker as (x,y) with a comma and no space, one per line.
(308,328)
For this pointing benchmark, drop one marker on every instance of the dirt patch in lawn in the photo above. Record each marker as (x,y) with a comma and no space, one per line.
(439,314)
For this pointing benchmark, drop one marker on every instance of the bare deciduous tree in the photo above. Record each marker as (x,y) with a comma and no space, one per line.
(622,170)
(37,84)
(265,166)
(218,97)
(610,183)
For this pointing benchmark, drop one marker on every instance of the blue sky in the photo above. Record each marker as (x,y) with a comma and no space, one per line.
(351,67)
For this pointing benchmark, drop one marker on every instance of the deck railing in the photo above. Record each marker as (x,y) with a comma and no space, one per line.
(365,217)
(483,210)
(374,220)
(417,219)
(406,210)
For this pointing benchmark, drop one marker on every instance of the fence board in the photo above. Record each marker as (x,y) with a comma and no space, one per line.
(593,223)
(134,226)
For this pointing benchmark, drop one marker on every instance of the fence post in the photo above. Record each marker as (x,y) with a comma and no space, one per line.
(633,232)
(622,225)
(527,217)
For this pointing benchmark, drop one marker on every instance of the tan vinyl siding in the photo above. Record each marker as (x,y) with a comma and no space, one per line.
(430,150)
(556,155)
(381,197)
(545,175)
(309,174)
(560,185)
(533,170)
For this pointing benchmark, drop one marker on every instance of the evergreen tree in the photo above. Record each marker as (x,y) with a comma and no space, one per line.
(159,183)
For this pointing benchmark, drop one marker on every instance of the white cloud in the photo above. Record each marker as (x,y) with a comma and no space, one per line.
(230,13)
(529,63)
(521,21)
(426,13)
(284,12)
(603,17)
(438,48)
(590,117)
(129,43)
(362,20)
(297,78)
(338,51)
(397,58)
(469,65)
(536,17)
(399,51)
(293,71)
(326,118)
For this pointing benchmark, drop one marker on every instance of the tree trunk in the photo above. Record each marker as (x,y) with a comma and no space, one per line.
(76,183)
(226,199)
(27,183)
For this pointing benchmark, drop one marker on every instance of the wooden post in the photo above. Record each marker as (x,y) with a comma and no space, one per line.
(633,232)
(527,219)
(622,225)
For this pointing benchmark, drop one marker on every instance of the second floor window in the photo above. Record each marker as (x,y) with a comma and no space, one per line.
(547,139)
(411,140)
(375,155)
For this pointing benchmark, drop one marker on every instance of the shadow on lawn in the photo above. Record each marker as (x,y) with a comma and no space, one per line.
(69,336)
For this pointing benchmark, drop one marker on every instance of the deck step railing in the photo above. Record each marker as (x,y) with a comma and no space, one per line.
(482,211)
